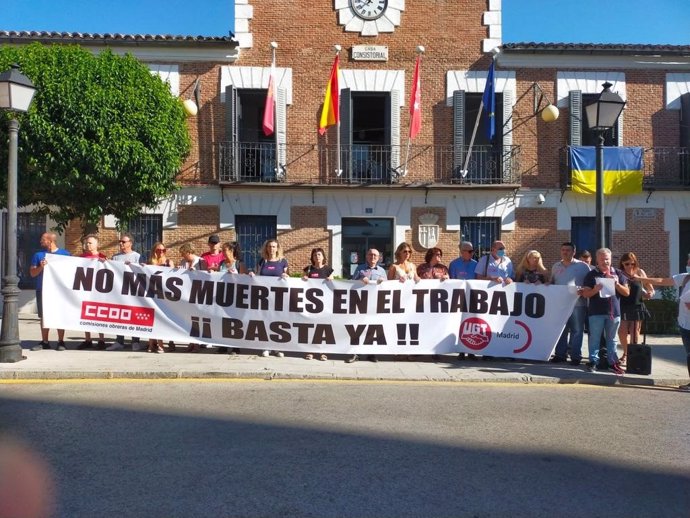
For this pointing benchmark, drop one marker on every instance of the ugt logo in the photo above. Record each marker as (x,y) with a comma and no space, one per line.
(475,333)
(117,313)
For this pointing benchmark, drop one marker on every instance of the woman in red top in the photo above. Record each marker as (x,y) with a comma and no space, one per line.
(432,267)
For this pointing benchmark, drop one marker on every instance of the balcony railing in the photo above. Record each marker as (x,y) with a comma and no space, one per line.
(664,168)
(369,164)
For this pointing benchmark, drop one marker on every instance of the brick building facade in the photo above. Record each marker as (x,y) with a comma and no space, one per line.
(247,187)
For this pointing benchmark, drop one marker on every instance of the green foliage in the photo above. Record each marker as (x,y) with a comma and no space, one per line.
(103,134)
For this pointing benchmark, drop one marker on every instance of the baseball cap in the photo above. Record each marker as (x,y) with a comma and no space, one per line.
(214,238)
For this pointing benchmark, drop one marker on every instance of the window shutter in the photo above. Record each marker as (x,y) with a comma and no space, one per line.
(575,119)
(458,132)
(346,132)
(230,169)
(619,130)
(509,175)
(685,120)
(281,130)
(394,109)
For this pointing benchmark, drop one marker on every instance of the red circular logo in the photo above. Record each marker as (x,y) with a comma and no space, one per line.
(475,333)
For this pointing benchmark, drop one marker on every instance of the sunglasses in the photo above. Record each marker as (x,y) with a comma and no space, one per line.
(407,251)
(470,251)
(124,241)
(160,250)
(629,264)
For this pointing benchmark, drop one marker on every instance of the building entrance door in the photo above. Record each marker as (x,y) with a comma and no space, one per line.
(360,234)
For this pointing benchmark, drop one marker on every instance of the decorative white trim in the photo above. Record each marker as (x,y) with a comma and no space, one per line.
(587,83)
(169,74)
(374,81)
(563,61)
(255,77)
(243,15)
(353,23)
(474,81)
(493,20)
(676,85)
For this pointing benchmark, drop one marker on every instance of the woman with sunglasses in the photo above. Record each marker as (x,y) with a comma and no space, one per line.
(231,263)
(632,306)
(318,269)
(157,257)
(403,269)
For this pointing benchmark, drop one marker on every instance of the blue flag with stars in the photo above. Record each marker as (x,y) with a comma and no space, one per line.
(489,100)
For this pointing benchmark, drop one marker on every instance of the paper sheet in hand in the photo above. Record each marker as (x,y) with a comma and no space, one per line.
(608,287)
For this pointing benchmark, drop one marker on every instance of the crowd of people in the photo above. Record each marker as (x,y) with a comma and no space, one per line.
(610,306)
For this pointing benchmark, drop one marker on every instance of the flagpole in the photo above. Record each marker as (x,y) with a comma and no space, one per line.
(420,51)
(476,125)
(274,46)
(338,165)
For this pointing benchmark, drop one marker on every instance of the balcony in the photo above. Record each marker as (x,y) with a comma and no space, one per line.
(664,168)
(369,164)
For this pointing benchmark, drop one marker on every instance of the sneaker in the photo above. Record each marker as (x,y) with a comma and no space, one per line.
(352,359)
(265,354)
(171,346)
(616,368)
(101,345)
(461,357)
(159,349)
(592,367)
(557,359)
(40,346)
(86,344)
(61,346)
(684,388)
(116,346)
(136,345)
(575,363)
(279,354)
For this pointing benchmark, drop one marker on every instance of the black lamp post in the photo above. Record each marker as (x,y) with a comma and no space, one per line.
(601,117)
(16,93)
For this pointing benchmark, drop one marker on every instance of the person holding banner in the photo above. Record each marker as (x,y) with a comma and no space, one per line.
(495,266)
(214,256)
(464,266)
(128,256)
(432,267)
(403,269)
(90,244)
(191,261)
(571,272)
(368,272)
(231,264)
(318,269)
(157,257)
(604,286)
(38,262)
(272,264)
(531,269)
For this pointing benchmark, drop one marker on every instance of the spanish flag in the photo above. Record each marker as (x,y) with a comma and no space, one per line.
(622,168)
(330,113)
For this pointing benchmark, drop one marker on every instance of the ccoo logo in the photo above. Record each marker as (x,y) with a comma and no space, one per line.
(117,313)
(475,333)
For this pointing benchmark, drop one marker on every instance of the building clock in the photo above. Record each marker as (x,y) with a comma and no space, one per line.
(369,9)
(369,17)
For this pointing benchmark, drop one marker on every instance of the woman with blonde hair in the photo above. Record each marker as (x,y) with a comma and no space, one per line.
(531,269)
(158,258)
(403,269)
(632,306)
(272,264)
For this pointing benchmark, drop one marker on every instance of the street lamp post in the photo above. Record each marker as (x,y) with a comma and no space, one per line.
(16,93)
(602,115)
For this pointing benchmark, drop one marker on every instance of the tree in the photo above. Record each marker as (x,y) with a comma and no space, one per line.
(103,134)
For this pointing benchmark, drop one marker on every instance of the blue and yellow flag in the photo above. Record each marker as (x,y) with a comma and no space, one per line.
(623,169)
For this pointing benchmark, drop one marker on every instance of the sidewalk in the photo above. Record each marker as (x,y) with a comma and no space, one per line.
(668,365)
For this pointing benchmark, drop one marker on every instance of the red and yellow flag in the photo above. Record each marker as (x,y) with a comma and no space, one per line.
(330,113)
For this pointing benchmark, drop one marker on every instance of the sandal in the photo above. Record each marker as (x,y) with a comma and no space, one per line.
(323,357)
(622,359)
(309,356)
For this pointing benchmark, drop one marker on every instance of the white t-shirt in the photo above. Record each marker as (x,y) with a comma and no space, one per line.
(683,311)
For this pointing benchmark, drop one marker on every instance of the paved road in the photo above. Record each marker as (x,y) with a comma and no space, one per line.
(326,449)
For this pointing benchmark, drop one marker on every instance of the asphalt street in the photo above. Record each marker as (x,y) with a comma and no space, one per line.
(281,448)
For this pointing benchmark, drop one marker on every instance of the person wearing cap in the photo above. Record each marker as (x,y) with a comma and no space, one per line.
(215,255)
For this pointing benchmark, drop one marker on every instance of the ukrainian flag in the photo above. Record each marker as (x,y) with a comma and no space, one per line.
(622,168)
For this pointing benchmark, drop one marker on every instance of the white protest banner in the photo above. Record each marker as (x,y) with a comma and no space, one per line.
(428,317)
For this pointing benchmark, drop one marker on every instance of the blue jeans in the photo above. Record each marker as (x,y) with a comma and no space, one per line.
(575,327)
(685,336)
(599,324)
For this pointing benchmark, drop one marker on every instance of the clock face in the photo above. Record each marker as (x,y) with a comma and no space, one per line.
(369,9)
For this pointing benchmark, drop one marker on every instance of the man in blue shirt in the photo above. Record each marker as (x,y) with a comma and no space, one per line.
(464,266)
(38,262)
(369,272)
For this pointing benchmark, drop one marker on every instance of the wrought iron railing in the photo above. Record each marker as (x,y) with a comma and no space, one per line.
(664,168)
(368,164)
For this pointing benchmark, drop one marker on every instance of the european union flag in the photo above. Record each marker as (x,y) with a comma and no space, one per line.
(622,168)
(489,101)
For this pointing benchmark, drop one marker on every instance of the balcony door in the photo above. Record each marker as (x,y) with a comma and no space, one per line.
(361,234)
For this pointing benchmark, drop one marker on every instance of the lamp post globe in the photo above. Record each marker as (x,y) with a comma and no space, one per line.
(602,115)
(16,94)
